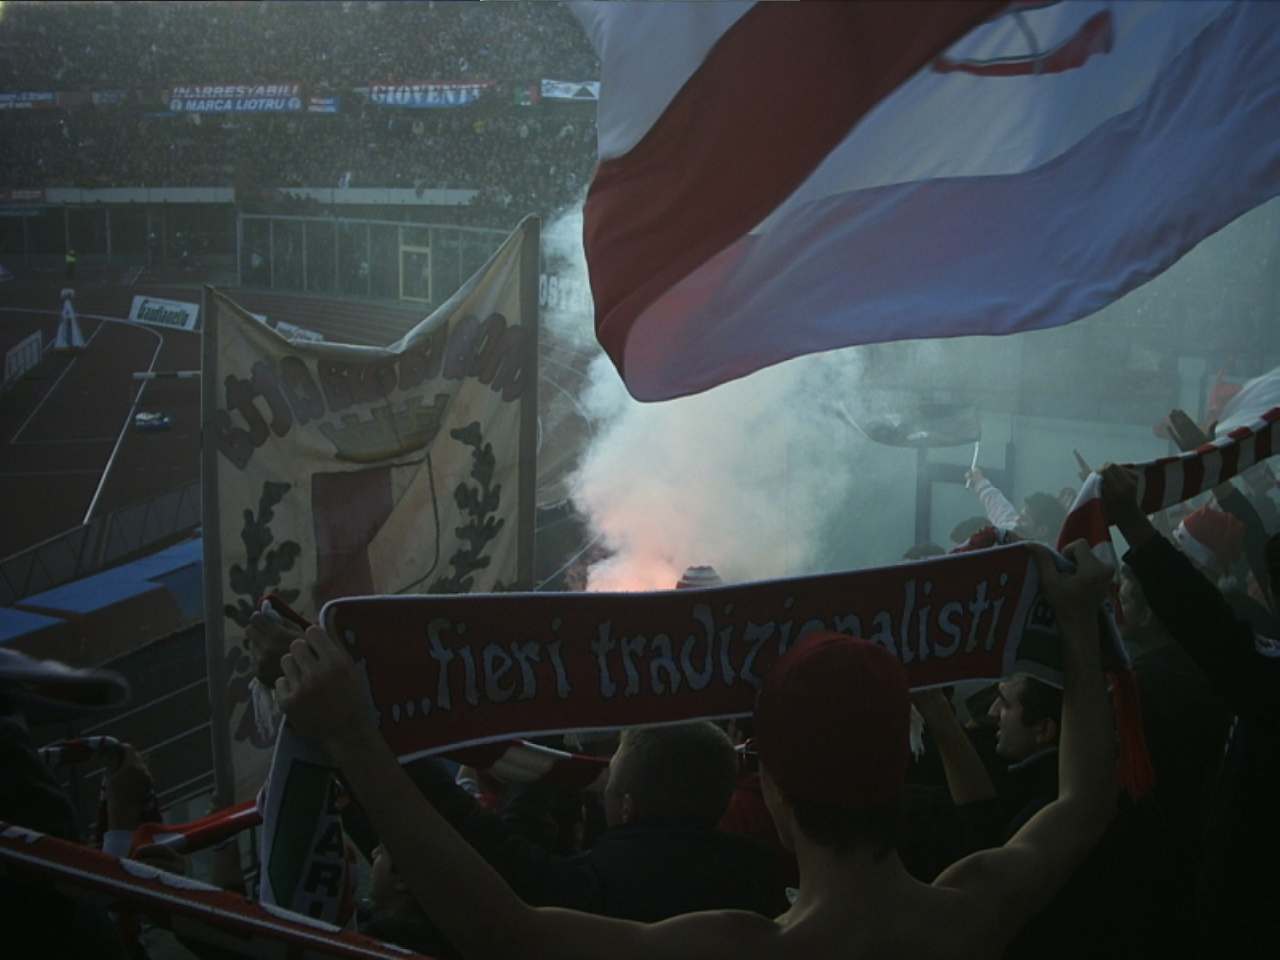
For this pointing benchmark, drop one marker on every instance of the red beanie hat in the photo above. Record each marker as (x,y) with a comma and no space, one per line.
(1208,532)
(833,722)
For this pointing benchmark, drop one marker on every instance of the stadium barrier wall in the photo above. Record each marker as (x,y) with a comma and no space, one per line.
(104,541)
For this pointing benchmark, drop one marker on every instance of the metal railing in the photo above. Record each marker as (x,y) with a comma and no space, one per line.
(104,541)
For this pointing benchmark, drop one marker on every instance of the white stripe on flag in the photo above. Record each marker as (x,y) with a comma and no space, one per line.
(1255,398)
(1212,468)
(1248,453)
(647,51)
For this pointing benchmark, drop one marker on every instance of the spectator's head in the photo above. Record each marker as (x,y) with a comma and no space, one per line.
(699,577)
(832,732)
(1041,517)
(1212,539)
(685,771)
(1028,714)
(963,531)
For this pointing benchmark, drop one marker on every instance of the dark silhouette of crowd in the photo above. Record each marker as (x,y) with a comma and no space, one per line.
(1009,831)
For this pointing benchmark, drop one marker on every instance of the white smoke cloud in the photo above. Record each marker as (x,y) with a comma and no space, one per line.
(743,477)
(746,477)
(564,291)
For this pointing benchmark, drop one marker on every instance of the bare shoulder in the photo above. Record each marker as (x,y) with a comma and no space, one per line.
(980,893)
(728,934)
(737,934)
(961,923)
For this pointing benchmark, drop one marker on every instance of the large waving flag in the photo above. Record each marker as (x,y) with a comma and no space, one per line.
(782,179)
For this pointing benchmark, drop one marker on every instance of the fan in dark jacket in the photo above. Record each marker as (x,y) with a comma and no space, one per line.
(1243,835)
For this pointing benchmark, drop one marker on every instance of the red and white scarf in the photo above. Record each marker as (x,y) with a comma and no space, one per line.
(1163,483)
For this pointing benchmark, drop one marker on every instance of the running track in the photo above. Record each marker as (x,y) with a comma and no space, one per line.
(67,450)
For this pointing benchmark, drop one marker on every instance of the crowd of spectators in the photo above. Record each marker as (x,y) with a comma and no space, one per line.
(519,156)
(323,45)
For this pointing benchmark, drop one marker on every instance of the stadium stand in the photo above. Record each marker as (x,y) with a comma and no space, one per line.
(108,123)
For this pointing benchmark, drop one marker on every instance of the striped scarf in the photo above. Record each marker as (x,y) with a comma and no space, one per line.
(1162,483)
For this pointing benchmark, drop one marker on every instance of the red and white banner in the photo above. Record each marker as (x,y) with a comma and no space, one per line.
(192,910)
(980,168)
(462,670)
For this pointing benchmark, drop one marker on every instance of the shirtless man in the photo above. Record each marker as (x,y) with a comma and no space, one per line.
(832,733)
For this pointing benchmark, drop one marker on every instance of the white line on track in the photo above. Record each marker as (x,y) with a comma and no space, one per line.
(128,420)
(53,389)
(124,429)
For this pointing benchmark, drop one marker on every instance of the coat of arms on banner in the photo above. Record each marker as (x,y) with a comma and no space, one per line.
(341,470)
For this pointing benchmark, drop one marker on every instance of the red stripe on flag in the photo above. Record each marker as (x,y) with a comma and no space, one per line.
(1264,444)
(1153,486)
(1230,457)
(1193,473)
(781,88)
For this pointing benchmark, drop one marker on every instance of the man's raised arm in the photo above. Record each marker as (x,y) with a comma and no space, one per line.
(1010,884)
(323,697)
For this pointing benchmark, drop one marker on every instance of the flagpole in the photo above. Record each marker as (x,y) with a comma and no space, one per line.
(214,639)
(530,259)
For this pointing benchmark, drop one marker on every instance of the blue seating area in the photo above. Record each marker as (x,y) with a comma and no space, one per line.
(109,613)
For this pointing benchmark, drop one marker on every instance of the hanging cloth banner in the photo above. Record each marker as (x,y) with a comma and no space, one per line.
(332,469)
